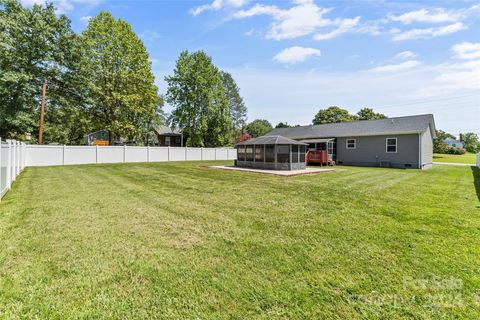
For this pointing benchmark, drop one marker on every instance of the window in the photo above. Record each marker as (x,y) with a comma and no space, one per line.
(178,140)
(391,145)
(167,141)
(351,143)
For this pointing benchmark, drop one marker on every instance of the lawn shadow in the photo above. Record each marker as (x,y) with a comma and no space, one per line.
(476,180)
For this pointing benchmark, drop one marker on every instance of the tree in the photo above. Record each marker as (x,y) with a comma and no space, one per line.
(332,115)
(283,125)
(471,142)
(238,110)
(438,145)
(369,114)
(125,98)
(36,44)
(258,128)
(200,105)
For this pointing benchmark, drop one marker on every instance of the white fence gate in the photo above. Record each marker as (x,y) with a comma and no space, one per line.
(12,162)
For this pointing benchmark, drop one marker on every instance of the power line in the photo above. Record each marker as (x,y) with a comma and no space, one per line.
(429,100)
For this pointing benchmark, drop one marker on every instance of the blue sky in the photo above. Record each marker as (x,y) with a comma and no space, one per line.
(291,58)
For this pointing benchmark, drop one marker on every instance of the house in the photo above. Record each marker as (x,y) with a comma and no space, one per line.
(400,142)
(169,137)
(453,143)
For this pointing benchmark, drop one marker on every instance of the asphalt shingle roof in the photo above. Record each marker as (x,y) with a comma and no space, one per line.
(270,139)
(397,125)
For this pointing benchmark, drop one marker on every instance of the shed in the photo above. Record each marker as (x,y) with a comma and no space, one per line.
(271,152)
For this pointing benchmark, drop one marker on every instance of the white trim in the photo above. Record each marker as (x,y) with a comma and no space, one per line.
(386,145)
(347,143)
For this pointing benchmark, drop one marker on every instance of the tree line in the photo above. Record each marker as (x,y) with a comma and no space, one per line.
(102,79)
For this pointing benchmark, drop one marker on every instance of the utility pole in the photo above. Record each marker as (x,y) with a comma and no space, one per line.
(42,112)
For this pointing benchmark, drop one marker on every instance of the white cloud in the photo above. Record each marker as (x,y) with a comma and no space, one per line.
(303,18)
(344,26)
(427,16)
(296,54)
(150,35)
(296,95)
(216,5)
(405,55)
(403,66)
(467,50)
(86,18)
(427,32)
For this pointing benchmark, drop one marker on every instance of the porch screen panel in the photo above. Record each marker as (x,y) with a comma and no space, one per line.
(283,154)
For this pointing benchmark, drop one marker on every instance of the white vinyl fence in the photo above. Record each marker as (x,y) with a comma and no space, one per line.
(478,160)
(12,162)
(45,155)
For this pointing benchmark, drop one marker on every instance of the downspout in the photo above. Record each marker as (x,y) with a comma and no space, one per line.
(420,164)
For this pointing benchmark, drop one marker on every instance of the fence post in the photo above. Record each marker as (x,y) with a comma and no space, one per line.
(215,153)
(168,153)
(9,169)
(124,153)
(96,153)
(148,153)
(63,155)
(13,154)
(186,153)
(201,153)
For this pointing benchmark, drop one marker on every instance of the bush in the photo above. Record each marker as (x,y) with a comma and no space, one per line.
(456,151)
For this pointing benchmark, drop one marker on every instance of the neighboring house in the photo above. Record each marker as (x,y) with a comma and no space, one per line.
(454,143)
(401,142)
(168,137)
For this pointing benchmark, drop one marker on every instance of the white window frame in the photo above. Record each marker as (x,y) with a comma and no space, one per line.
(354,144)
(169,140)
(387,145)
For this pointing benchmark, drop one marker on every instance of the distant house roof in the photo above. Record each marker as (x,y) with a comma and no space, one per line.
(397,125)
(270,139)
(167,130)
(450,140)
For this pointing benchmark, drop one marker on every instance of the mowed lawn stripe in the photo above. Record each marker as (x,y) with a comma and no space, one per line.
(181,240)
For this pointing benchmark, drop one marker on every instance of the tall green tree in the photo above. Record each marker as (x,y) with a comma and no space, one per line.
(283,125)
(332,114)
(258,127)
(471,142)
(125,98)
(36,44)
(238,110)
(438,145)
(369,114)
(200,105)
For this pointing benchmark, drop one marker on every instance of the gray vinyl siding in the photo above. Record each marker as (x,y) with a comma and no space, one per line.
(427,149)
(371,150)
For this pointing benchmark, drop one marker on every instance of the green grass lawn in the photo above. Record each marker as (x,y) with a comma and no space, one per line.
(468,158)
(183,241)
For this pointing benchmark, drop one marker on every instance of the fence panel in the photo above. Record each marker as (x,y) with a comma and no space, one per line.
(478,160)
(136,154)
(110,154)
(38,155)
(158,154)
(12,162)
(79,154)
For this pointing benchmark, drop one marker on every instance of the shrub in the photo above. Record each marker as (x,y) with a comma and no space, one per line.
(456,151)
